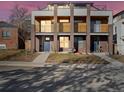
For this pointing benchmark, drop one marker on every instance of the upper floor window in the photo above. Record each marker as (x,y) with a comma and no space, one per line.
(46,26)
(6,34)
(63,20)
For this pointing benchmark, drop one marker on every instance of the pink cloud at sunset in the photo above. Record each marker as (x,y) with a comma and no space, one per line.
(6,6)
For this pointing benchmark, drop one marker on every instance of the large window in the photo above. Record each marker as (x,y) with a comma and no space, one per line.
(63,20)
(46,26)
(6,34)
(64,42)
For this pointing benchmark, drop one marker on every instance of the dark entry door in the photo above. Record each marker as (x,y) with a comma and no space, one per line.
(96,44)
(47,46)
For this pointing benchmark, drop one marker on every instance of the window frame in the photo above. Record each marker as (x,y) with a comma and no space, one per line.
(6,34)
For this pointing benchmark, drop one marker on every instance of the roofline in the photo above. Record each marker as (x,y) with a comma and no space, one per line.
(12,26)
(119,13)
(76,4)
(70,2)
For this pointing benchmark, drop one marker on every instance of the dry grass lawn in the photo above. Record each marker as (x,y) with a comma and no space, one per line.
(118,57)
(74,58)
(17,55)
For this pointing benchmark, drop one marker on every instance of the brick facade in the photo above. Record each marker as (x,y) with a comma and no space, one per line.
(12,41)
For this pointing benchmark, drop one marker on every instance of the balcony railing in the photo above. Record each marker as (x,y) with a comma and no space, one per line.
(104,27)
(64,27)
(99,28)
(80,27)
(44,28)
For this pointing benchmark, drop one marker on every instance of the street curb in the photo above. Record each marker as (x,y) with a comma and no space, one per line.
(23,65)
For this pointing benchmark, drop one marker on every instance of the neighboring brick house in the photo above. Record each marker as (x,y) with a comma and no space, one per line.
(8,36)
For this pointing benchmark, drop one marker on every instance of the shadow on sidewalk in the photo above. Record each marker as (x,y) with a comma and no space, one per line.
(54,78)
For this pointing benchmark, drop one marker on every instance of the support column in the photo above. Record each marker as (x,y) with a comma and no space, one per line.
(37,44)
(33,45)
(72,26)
(55,29)
(110,39)
(88,29)
(39,25)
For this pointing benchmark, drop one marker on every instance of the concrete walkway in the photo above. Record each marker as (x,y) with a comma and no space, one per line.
(37,62)
(109,59)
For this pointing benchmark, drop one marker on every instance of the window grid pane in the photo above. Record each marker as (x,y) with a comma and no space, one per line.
(64,42)
(6,34)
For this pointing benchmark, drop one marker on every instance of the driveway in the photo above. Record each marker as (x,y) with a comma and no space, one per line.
(63,77)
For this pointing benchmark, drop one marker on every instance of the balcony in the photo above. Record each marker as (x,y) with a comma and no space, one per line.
(80,27)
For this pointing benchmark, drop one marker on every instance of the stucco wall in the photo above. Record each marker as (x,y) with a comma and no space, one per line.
(120,33)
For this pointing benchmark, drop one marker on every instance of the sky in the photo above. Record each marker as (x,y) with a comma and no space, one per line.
(7,6)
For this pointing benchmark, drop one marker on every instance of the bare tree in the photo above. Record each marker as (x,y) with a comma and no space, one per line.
(18,17)
(39,8)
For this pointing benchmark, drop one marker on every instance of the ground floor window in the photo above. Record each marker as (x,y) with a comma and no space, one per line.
(64,42)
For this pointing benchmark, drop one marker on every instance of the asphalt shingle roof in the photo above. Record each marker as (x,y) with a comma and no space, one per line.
(5,24)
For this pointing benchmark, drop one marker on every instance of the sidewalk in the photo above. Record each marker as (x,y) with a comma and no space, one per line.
(109,59)
(37,62)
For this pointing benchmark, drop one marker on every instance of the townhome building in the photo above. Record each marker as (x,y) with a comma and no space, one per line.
(63,27)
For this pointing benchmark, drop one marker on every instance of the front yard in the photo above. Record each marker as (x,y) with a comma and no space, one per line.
(74,58)
(118,57)
(17,55)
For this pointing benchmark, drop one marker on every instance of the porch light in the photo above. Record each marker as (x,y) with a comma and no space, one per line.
(47,38)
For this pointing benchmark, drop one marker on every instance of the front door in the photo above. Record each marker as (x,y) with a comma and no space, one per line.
(96,44)
(46,46)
